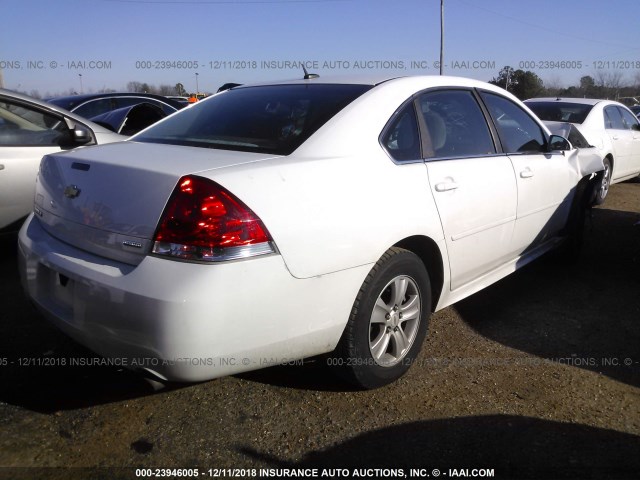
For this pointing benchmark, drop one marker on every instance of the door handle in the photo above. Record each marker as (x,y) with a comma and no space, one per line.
(526,173)
(446,186)
(615,137)
(1,167)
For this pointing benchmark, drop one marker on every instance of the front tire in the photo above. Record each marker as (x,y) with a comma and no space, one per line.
(388,322)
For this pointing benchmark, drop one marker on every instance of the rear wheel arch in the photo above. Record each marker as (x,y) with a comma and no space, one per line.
(388,322)
(427,250)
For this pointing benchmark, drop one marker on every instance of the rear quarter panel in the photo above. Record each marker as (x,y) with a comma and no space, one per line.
(339,201)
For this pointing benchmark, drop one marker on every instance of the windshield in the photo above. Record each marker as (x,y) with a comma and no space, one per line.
(273,119)
(560,111)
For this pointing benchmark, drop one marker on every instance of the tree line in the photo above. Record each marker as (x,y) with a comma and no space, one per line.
(132,87)
(523,84)
(604,84)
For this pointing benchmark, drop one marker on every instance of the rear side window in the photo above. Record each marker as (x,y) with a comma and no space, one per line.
(519,133)
(402,139)
(455,125)
(273,119)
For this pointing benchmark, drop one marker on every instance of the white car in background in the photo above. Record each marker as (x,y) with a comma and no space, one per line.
(29,129)
(610,126)
(280,221)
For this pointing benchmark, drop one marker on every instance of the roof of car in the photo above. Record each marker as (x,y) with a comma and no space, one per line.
(373,79)
(370,79)
(584,101)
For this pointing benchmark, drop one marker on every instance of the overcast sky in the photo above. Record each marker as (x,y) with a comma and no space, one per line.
(54,46)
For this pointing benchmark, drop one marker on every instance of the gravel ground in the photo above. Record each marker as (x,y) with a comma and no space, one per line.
(537,376)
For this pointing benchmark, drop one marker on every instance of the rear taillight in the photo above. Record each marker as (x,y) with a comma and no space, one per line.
(204,222)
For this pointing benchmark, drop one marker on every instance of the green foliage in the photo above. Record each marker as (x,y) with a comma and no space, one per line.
(520,83)
(606,85)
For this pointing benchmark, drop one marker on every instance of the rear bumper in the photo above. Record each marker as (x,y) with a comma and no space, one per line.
(184,321)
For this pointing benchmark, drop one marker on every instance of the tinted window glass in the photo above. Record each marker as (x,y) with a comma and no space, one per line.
(613,119)
(68,103)
(25,126)
(402,139)
(455,124)
(128,101)
(93,108)
(518,131)
(269,119)
(628,118)
(560,111)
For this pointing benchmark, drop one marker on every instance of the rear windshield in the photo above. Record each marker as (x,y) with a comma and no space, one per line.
(266,119)
(560,111)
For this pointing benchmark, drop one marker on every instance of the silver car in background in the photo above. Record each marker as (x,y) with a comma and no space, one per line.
(607,125)
(30,129)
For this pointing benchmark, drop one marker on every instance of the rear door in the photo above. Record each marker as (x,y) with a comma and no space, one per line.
(474,187)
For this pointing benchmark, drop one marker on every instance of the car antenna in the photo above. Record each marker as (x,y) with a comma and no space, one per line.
(307,75)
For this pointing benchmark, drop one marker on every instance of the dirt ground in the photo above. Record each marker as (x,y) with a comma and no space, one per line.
(537,376)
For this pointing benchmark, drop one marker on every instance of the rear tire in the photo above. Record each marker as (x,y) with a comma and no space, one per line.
(388,322)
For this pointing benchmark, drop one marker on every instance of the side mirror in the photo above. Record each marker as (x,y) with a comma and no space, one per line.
(635,126)
(80,134)
(556,142)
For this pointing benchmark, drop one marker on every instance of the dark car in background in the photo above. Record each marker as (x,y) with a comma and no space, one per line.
(94,104)
(182,100)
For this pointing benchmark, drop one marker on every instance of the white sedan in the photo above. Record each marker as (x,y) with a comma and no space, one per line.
(275,222)
(609,126)
(29,129)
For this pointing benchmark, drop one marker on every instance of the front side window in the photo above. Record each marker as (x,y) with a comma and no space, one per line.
(455,125)
(22,125)
(273,119)
(613,119)
(519,133)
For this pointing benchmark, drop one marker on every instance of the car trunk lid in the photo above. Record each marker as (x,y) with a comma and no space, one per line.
(108,200)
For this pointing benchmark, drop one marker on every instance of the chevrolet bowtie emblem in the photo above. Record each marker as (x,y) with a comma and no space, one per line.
(71,191)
